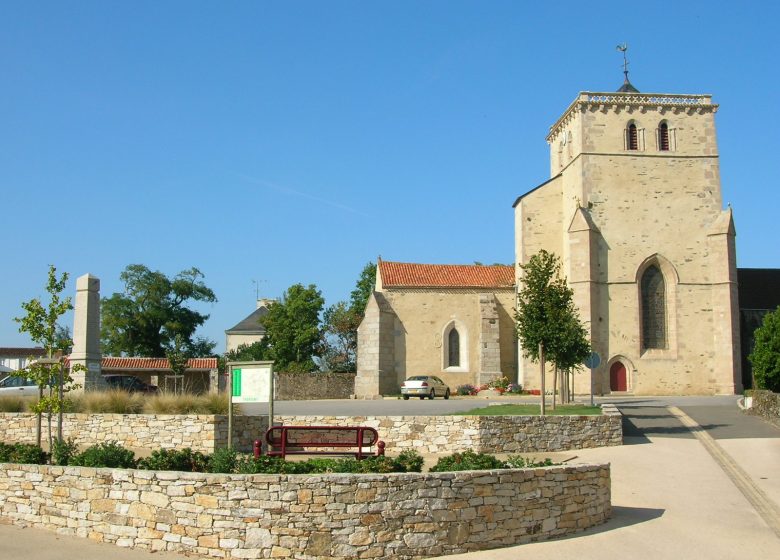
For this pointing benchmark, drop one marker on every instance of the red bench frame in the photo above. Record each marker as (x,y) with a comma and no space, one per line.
(277,439)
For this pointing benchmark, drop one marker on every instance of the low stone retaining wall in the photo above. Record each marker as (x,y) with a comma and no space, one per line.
(140,431)
(426,434)
(340,516)
(765,404)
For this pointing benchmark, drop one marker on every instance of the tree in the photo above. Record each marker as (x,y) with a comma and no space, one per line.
(293,336)
(765,357)
(364,287)
(341,322)
(177,359)
(152,311)
(339,325)
(548,323)
(50,375)
(254,352)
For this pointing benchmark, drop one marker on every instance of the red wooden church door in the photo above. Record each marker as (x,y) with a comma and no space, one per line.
(617,377)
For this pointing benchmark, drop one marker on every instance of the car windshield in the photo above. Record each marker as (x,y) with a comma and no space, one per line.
(419,378)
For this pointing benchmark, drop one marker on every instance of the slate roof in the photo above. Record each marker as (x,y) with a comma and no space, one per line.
(413,275)
(250,324)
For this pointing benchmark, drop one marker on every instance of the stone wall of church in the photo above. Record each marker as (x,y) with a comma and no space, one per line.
(647,206)
(422,315)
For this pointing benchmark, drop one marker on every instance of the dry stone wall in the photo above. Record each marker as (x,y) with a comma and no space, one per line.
(425,434)
(765,404)
(340,516)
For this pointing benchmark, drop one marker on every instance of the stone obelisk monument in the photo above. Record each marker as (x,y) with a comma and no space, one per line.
(86,333)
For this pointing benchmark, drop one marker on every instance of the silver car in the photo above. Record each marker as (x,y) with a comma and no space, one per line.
(18,386)
(424,386)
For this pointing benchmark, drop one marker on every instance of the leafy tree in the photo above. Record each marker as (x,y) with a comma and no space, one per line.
(341,322)
(765,357)
(248,352)
(548,323)
(358,298)
(41,324)
(152,311)
(292,338)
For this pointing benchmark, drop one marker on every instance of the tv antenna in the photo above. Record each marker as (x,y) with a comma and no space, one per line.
(257,287)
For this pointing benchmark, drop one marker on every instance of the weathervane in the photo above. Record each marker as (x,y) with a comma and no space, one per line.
(626,87)
(623,48)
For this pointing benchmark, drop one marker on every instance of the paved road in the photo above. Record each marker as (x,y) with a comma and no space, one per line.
(695,477)
(673,493)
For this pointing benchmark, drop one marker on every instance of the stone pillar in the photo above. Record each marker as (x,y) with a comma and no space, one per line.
(376,351)
(86,333)
(583,277)
(489,340)
(726,378)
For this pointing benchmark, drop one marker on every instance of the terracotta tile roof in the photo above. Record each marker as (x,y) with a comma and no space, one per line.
(114,362)
(22,352)
(413,275)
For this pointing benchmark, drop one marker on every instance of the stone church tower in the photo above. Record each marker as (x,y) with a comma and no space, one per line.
(634,209)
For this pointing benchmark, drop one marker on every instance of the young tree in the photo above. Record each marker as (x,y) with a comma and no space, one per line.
(293,334)
(548,323)
(177,359)
(50,375)
(152,311)
(765,357)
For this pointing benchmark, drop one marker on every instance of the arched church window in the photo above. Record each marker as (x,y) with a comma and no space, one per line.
(663,137)
(632,137)
(653,296)
(453,346)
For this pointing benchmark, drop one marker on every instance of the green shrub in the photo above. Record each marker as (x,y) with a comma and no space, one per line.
(247,464)
(467,461)
(185,460)
(410,460)
(108,454)
(518,462)
(25,453)
(223,460)
(62,451)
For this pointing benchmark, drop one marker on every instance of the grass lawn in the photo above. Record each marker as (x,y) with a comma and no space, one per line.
(532,410)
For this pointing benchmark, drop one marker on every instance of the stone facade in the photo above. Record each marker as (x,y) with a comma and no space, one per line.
(400,516)
(407,325)
(613,210)
(425,434)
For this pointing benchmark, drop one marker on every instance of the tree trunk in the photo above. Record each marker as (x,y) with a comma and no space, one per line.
(555,384)
(541,372)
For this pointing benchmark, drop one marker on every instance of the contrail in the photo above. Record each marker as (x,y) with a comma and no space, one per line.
(289,191)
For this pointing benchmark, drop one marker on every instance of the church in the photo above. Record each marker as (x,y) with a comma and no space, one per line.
(633,208)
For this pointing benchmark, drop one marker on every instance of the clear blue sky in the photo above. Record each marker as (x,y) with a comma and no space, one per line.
(289,142)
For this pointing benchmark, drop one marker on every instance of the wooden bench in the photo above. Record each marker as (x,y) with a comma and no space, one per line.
(321,440)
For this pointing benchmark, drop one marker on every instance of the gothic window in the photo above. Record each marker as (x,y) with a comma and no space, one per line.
(653,309)
(663,137)
(632,137)
(453,346)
